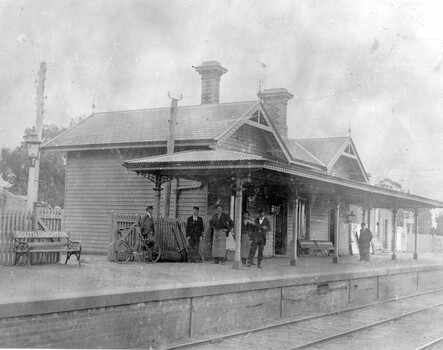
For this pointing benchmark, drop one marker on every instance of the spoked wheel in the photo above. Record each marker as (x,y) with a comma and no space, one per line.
(121,252)
(153,252)
(145,254)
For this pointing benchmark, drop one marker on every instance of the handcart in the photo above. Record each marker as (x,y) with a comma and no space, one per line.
(182,244)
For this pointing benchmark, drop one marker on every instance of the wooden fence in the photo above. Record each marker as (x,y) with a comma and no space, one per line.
(164,227)
(21,220)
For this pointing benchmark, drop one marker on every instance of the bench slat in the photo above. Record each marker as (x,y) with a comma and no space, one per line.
(51,250)
(315,247)
(47,244)
(29,243)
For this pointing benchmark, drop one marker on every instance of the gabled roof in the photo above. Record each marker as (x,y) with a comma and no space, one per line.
(330,150)
(257,118)
(141,127)
(299,152)
(324,149)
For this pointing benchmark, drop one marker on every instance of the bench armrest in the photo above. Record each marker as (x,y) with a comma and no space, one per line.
(73,244)
(21,246)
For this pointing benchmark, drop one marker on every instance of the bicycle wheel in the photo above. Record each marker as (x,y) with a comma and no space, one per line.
(122,252)
(154,251)
(145,254)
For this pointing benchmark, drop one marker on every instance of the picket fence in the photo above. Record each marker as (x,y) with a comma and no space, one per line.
(45,219)
(164,227)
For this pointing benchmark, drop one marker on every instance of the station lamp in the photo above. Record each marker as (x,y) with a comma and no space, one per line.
(32,146)
(351,217)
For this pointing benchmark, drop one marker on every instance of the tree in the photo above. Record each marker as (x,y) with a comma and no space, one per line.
(424,222)
(14,167)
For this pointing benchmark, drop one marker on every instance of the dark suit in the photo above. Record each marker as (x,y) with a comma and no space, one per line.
(194,230)
(364,243)
(258,238)
(146,223)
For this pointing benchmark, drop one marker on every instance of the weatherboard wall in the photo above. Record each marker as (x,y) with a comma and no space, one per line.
(96,183)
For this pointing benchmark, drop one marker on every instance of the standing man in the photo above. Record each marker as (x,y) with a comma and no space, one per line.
(247,228)
(221,224)
(194,231)
(364,242)
(262,227)
(146,222)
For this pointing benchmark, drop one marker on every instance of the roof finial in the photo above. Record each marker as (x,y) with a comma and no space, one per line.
(176,99)
(93,104)
(349,129)
(259,86)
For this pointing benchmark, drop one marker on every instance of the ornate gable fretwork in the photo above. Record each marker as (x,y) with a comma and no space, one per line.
(154,177)
(258,118)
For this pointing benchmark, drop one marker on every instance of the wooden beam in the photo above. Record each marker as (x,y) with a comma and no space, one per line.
(416,234)
(394,240)
(237,222)
(293,261)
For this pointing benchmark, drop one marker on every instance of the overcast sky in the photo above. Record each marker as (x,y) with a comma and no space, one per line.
(376,65)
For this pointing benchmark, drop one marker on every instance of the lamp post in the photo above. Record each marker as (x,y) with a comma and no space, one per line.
(33,150)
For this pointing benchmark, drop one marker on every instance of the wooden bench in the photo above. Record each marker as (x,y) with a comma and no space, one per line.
(315,247)
(27,242)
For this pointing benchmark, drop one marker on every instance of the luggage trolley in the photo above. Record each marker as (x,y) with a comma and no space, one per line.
(182,244)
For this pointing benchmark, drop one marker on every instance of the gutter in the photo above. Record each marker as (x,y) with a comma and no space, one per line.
(178,189)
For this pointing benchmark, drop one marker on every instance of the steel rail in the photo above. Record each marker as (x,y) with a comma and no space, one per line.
(217,339)
(359,329)
(430,344)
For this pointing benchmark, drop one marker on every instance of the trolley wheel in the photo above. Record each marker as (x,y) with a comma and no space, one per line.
(121,252)
(154,251)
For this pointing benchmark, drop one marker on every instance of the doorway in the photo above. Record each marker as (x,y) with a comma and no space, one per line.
(281,228)
(386,240)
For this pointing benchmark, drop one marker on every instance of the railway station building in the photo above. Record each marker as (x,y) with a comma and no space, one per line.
(236,154)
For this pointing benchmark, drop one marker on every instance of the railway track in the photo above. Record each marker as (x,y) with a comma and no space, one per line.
(414,322)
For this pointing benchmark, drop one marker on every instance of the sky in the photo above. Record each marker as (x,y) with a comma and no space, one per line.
(373,66)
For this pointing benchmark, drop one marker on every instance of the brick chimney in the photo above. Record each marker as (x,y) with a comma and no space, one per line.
(276,104)
(211,71)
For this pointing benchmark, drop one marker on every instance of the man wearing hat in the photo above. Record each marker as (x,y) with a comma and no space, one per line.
(194,231)
(146,222)
(364,242)
(258,237)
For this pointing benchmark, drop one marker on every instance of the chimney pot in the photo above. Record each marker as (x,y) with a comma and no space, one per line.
(210,71)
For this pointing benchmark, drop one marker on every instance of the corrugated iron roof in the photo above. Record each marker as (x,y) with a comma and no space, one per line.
(217,155)
(199,122)
(298,152)
(324,149)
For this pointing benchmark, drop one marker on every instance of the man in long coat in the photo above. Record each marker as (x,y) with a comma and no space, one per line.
(146,222)
(364,242)
(262,227)
(221,224)
(194,230)
(247,228)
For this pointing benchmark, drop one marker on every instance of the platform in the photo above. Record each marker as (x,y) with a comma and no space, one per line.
(97,276)
(162,301)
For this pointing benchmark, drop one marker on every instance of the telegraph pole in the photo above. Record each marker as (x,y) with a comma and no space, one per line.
(34,171)
(170,149)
